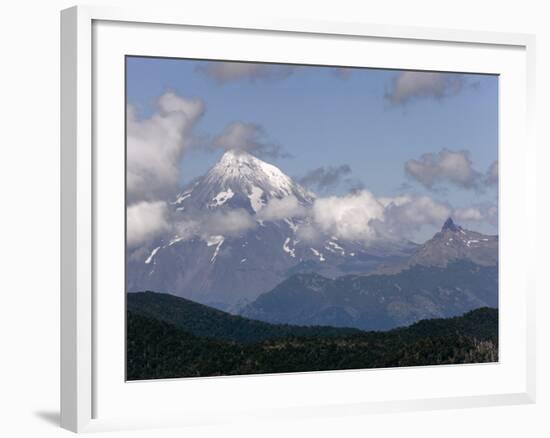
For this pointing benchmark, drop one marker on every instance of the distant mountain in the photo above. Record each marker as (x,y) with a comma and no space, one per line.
(450,244)
(229,269)
(207,322)
(379,302)
(158,349)
(240,180)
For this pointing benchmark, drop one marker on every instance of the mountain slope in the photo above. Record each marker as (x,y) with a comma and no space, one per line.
(240,180)
(232,247)
(450,244)
(157,349)
(207,322)
(379,302)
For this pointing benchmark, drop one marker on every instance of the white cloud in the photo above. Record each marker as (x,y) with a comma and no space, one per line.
(277,209)
(446,166)
(406,214)
(218,222)
(239,136)
(397,200)
(227,223)
(308,233)
(247,137)
(486,212)
(325,177)
(224,72)
(492,214)
(409,85)
(348,217)
(145,221)
(186,228)
(155,146)
(361,216)
(491,176)
(468,214)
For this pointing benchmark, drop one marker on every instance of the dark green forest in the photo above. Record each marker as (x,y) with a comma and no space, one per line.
(169,337)
(205,321)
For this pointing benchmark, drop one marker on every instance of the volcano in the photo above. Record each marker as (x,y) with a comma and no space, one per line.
(240,236)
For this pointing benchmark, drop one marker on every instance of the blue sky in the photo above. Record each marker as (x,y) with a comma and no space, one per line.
(323,116)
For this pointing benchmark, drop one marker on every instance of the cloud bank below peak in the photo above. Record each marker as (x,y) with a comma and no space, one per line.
(155,146)
(361,216)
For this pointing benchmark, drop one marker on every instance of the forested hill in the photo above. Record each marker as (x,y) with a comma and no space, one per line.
(207,342)
(207,322)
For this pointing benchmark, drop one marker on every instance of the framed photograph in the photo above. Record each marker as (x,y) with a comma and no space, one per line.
(283,218)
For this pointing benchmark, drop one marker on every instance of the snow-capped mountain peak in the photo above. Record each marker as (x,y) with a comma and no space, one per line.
(241,166)
(242,171)
(454,242)
(241,180)
(237,237)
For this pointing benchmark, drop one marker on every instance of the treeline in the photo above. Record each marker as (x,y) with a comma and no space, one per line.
(160,349)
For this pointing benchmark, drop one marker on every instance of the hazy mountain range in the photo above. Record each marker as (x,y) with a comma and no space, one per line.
(240,248)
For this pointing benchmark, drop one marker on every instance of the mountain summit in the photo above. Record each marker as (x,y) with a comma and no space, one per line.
(240,180)
(242,171)
(239,238)
(450,225)
(452,243)
(456,243)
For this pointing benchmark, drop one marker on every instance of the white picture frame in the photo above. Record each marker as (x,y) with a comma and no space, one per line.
(86,376)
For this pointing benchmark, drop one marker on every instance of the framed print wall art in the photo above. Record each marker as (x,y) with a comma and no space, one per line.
(258,208)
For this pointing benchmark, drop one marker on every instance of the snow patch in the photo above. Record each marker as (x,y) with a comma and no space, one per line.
(318,254)
(175,239)
(182,197)
(255,197)
(221,198)
(215,240)
(291,224)
(150,258)
(287,249)
(337,247)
